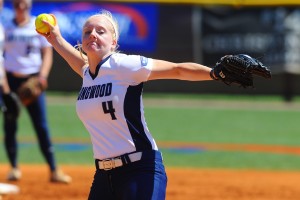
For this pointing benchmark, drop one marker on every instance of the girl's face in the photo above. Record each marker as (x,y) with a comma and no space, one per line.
(97,36)
(22,5)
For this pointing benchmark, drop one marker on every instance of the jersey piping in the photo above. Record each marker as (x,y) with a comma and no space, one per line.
(133,117)
(98,67)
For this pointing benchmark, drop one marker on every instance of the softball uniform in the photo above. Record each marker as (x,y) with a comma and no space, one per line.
(110,106)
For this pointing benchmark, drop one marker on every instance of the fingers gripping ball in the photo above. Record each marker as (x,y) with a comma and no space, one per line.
(40,26)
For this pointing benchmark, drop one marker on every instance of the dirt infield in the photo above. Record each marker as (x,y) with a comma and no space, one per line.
(183,184)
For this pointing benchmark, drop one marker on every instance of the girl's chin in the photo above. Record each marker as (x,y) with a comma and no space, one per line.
(92,49)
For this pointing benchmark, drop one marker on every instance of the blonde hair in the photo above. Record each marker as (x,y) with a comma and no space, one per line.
(113,21)
(115,30)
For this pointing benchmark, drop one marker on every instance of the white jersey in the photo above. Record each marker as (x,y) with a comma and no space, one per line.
(23,48)
(110,106)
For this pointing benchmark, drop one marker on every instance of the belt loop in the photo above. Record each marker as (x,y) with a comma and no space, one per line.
(125,159)
(97,164)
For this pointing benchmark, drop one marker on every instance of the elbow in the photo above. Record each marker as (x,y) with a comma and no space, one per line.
(181,73)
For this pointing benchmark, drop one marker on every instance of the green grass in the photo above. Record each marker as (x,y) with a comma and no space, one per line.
(232,160)
(195,96)
(225,126)
(181,123)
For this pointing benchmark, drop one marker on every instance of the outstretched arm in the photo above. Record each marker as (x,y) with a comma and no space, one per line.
(181,71)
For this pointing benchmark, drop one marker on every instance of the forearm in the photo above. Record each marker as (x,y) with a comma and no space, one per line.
(4,84)
(193,72)
(72,56)
(47,62)
(181,71)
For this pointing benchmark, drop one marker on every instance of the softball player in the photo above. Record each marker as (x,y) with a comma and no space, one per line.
(28,54)
(129,165)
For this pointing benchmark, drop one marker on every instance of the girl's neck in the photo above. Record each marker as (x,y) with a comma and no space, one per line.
(95,60)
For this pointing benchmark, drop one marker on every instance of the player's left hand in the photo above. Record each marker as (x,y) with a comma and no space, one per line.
(239,69)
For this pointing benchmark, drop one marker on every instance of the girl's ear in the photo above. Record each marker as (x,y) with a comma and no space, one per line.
(114,43)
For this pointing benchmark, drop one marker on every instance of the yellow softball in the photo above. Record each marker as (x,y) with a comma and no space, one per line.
(39,24)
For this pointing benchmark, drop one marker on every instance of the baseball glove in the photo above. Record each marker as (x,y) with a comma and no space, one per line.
(30,90)
(239,69)
(12,105)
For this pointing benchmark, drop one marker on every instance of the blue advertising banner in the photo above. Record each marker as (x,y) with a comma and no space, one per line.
(137,22)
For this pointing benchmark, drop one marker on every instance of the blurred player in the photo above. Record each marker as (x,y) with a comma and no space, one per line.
(28,54)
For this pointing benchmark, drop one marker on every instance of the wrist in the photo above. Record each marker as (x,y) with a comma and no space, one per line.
(43,81)
(212,75)
(43,77)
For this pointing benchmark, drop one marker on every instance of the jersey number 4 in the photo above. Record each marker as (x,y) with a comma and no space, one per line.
(109,109)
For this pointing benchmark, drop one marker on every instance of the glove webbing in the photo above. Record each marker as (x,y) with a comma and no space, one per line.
(255,67)
(237,65)
(243,79)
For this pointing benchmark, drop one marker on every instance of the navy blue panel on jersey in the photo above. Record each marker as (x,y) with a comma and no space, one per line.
(132,112)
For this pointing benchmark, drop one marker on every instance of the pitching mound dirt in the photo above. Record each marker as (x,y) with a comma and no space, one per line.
(183,184)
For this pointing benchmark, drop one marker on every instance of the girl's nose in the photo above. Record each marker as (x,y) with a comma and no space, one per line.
(93,34)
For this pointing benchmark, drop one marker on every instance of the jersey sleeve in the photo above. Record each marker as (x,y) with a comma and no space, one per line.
(134,69)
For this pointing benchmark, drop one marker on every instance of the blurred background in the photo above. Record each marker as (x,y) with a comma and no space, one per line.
(190,30)
(238,129)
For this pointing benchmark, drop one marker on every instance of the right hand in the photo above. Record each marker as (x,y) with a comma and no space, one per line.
(54,33)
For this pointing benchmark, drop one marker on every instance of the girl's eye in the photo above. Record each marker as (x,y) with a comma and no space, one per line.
(87,32)
(97,31)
